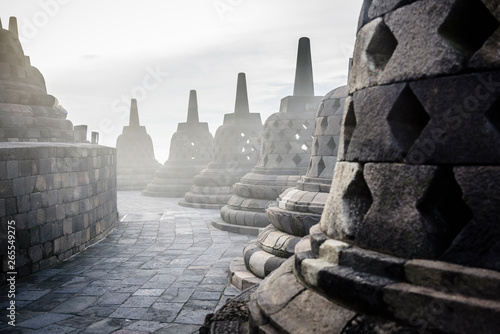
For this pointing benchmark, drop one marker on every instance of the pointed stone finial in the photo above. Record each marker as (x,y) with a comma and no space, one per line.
(134,114)
(13,26)
(241,106)
(303,72)
(193,108)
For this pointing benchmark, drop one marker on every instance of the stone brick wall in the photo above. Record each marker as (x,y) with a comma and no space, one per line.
(61,196)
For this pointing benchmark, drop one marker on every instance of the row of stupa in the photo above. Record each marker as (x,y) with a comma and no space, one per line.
(270,181)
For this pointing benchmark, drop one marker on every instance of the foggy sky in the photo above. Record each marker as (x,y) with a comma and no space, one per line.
(96,55)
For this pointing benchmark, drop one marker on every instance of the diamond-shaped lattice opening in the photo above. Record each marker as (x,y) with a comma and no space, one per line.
(266,159)
(445,201)
(290,124)
(272,148)
(288,147)
(407,118)
(304,147)
(324,124)
(315,147)
(297,159)
(349,125)
(281,134)
(381,47)
(276,123)
(279,159)
(493,115)
(243,150)
(321,166)
(192,144)
(297,136)
(331,145)
(306,125)
(248,141)
(468,25)
(242,134)
(358,198)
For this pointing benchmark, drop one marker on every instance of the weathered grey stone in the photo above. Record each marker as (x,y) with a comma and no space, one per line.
(136,162)
(463,127)
(381,7)
(445,312)
(190,153)
(412,214)
(236,150)
(349,201)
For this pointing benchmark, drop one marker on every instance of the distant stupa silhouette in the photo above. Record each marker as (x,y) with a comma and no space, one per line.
(27,112)
(286,149)
(136,161)
(236,150)
(190,153)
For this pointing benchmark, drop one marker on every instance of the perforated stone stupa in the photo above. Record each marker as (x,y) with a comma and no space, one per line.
(300,207)
(236,151)
(286,149)
(136,163)
(27,112)
(409,238)
(190,153)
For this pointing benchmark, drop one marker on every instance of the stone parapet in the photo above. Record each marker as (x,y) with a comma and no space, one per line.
(62,198)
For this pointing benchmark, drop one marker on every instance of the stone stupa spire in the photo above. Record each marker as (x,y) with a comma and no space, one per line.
(241,104)
(192,116)
(304,83)
(13,26)
(134,114)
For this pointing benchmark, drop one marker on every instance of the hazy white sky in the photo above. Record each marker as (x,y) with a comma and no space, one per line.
(97,54)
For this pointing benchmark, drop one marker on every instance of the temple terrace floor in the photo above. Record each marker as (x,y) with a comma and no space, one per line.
(161,270)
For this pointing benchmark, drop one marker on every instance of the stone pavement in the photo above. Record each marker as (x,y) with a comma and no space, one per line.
(161,270)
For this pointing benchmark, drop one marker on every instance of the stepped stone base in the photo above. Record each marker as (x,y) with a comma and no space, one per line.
(375,290)
(240,229)
(241,278)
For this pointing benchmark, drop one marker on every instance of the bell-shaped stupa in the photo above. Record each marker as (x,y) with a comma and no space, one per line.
(236,151)
(136,163)
(27,112)
(300,207)
(284,157)
(409,239)
(190,153)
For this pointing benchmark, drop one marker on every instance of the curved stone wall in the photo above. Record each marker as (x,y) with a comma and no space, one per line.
(62,198)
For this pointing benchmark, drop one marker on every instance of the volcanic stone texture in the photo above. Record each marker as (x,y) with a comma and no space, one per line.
(62,198)
(409,236)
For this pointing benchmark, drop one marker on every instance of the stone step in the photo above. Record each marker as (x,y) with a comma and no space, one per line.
(218,223)
(259,262)
(241,278)
(292,222)
(244,218)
